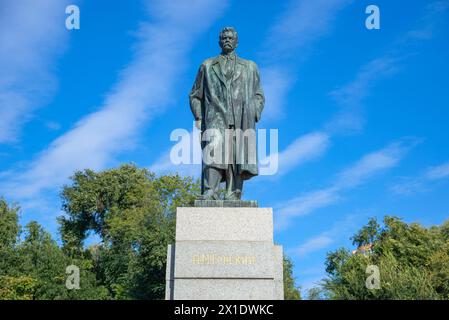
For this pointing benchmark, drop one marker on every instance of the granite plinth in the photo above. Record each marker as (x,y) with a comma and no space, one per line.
(224,253)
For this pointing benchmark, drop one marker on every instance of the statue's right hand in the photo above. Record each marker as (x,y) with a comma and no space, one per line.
(198,124)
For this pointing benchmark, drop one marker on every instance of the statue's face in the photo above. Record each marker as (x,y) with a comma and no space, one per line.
(228,41)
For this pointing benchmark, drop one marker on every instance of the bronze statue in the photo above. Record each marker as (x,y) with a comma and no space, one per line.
(227,99)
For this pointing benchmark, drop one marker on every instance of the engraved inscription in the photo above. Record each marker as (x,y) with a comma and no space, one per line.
(216,259)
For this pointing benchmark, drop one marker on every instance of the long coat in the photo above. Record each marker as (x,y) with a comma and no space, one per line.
(213,96)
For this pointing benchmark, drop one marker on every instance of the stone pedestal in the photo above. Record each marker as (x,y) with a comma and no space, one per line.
(224,253)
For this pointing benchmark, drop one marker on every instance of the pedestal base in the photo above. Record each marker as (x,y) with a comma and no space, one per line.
(224,253)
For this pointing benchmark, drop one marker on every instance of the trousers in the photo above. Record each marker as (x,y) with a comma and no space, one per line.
(213,176)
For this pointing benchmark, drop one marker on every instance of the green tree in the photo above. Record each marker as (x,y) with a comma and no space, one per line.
(315,293)
(34,268)
(43,260)
(9,225)
(133,212)
(291,291)
(9,236)
(13,285)
(17,288)
(412,260)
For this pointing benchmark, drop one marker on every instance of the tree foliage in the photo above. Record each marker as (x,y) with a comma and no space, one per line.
(133,213)
(413,262)
(291,291)
(34,267)
(130,210)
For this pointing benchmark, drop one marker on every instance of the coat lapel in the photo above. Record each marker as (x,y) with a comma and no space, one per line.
(217,70)
(238,68)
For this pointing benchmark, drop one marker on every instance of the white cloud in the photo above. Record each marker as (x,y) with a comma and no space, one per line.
(302,23)
(328,237)
(350,96)
(314,244)
(52,125)
(303,205)
(165,165)
(435,14)
(276,82)
(324,241)
(305,148)
(413,185)
(357,174)
(311,282)
(142,91)
(373,163)
(438,172)
(32,34)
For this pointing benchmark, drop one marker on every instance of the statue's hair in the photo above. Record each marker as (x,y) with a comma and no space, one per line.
(231,29)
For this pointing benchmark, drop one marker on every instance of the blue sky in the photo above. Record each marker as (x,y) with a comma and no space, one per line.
(362,114)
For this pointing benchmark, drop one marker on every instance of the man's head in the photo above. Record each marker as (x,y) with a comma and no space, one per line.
(228,39)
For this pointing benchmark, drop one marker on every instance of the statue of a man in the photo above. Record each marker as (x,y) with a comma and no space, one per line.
(226,98)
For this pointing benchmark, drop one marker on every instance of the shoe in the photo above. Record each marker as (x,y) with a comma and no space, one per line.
(208,196)
(235,195)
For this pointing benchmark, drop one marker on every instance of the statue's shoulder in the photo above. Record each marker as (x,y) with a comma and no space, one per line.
(209,61)
(248,63)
